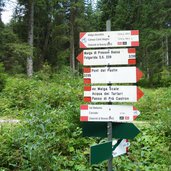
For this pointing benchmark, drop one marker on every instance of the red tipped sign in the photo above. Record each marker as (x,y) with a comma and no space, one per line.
(112,75)
(80,57)
(112,93)
(108,113)
(124,56)
(109,39)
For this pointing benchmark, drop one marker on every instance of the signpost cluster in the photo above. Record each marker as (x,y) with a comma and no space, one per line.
(106,82)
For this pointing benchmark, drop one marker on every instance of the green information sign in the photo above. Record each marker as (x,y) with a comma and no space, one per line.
(119,130)
(100,152)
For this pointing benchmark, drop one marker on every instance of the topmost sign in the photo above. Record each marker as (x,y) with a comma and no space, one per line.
(109,39)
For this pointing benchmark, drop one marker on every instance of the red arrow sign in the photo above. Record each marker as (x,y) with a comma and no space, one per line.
(112,93)
(112,75)
(80,57)
(96,57)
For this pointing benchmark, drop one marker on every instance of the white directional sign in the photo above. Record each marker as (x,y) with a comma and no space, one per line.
(121,149)
(109,39)
(108,113)
(112,75)
(122,56)
(112,93)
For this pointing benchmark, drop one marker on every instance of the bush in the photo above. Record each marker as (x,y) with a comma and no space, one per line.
(49,137)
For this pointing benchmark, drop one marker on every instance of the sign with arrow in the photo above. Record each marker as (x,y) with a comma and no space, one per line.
(112,75)
(112,93)
(119,130)
(108,113)
(100,152)
(121,56)
(121,147)
(104,151)
(111,121)
(109,39)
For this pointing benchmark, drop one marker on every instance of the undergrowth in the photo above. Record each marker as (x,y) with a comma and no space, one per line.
(49,136)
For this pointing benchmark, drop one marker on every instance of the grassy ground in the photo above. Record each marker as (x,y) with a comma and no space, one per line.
(48,136)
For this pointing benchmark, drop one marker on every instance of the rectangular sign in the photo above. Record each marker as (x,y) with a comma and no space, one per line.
(124,56)
(112,75)
(109,39)
(108,113)
(119,130)
(100,152)
(112,93)
(121,149)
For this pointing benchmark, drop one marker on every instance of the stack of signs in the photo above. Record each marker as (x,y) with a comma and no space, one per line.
(100,73)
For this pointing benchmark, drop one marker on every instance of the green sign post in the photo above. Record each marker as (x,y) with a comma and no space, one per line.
(100,152)
(119,130)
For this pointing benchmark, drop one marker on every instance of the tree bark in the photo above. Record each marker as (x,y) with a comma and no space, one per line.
(45,46)
(167,51)
(72,49)
(72,43)
(30,38)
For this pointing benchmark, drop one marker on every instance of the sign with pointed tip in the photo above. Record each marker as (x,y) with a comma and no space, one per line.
(109,39)
(100,152)
(108,113)
(119,130)
(122,56)
(111,75)
(121,148)
(104,151)
(112,93)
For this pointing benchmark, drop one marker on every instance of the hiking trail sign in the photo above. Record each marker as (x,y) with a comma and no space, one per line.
(112,93)
(100,152)
(112,75)
(103,151)
(109,39)
(119,130)
(105,67)
(95,57)
(108,113)
(121,147)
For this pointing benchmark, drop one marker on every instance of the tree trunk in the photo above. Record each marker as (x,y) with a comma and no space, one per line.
(72,49)
(72,43)
(30,38)
(167,51)
(45,46)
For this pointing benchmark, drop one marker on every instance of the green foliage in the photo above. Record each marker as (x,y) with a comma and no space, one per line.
(155,104)
(149,151)
(155,34)
(13,52)
(49,136)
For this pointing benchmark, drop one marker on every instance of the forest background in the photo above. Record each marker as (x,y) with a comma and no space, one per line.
(40,77)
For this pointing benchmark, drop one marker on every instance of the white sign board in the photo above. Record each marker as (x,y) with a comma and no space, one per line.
(108,113)
(112,93)
(121,149)
(122,56)
(109,39)
(112,75)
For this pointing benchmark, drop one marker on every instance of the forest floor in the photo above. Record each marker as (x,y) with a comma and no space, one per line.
(40,128)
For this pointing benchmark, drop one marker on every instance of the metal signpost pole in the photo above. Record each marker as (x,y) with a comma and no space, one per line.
(109,125)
